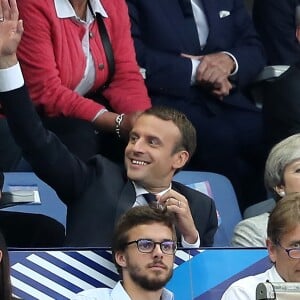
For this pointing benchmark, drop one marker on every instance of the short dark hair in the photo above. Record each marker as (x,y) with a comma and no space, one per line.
(284,217)
(188,133)
(139,215)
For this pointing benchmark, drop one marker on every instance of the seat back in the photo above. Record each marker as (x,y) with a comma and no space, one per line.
(259,208)
(50,205)
(281,110)
(222,192)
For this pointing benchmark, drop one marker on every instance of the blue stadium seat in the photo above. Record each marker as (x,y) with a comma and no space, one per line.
(50,205)
(222,192)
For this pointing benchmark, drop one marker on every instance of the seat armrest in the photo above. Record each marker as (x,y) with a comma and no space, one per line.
(270,72)
(256,89)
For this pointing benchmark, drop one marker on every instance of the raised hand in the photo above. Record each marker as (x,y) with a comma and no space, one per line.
(179,205)
(11,29)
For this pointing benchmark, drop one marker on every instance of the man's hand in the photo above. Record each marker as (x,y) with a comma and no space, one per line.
(128,122)
(11,30)
(213,72)
(179,205)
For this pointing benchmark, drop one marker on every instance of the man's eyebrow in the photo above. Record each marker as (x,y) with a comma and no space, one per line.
(133,132)
(294,242)
(154,137)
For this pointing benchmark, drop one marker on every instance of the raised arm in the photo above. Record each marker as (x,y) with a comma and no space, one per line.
(49,158)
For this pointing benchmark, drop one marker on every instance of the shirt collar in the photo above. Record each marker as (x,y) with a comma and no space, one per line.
(64,8)
(139,190)
(119,292)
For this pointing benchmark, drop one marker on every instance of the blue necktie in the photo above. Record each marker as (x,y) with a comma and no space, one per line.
(150,198)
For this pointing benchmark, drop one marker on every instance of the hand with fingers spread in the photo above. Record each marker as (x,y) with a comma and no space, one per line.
(11,29)
(178,204)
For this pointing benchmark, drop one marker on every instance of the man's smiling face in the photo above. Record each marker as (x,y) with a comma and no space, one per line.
(149,156)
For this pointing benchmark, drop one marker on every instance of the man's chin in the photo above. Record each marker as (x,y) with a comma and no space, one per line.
(134,175)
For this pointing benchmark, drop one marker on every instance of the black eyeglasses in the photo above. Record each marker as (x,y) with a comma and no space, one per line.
(147,246)
(291,252)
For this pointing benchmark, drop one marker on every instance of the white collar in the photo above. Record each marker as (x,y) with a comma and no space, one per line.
(139,190)
(119,290)
(64,9)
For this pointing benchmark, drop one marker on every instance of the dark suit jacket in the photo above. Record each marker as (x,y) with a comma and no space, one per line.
(97,192)
(161,34)
(275,23)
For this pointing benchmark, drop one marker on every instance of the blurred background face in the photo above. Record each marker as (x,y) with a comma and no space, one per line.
(150,271)
(288,268)
(149,157)
(291,178)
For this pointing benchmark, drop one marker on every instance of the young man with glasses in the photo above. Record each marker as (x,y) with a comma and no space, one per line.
(283,244)
(144,246)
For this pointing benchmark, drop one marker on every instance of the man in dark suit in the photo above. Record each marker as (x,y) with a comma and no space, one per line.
(97,192)
(198,56)
(278,24)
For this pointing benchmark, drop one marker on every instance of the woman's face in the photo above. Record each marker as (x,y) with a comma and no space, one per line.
(291,178)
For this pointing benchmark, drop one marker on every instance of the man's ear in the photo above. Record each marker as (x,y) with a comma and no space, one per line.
(272,250)
(120,259)
(1,254)
(181,157)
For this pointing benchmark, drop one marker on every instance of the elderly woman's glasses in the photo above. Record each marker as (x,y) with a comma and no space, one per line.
(147,246)
(291,252)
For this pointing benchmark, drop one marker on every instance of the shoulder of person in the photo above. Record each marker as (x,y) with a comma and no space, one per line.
(97,293)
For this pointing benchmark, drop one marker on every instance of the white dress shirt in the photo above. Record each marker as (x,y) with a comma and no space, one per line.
(245,288)
(117,293)
(11,78)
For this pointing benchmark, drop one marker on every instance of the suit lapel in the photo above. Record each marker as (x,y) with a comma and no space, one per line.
(186,31)
(126,199)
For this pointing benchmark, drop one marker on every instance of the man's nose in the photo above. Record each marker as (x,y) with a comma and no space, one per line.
(157,251)
(139,146)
